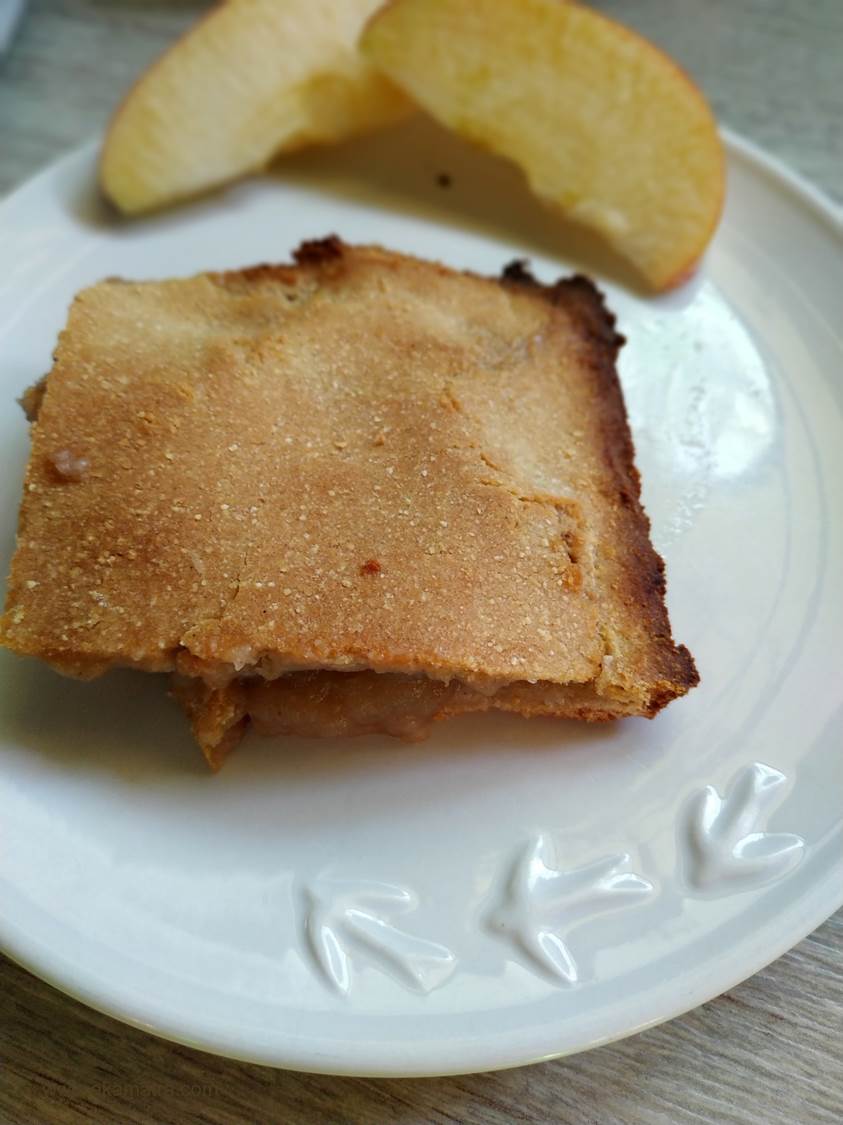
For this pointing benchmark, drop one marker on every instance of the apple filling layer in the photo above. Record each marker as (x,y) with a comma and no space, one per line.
(330,704)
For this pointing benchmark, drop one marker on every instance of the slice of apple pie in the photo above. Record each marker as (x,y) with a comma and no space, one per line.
(355,494)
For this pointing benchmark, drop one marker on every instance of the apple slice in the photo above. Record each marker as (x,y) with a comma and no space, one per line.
(603,124)
(250,80)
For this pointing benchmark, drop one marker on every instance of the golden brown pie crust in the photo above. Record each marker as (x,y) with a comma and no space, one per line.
(362,462)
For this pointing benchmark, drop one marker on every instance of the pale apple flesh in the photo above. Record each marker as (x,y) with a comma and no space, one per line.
(603,124)
(252,79)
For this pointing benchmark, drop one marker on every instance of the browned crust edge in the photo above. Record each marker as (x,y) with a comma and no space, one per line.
(675,671)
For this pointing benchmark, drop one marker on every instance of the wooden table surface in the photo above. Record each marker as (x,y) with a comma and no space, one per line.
(769,1051)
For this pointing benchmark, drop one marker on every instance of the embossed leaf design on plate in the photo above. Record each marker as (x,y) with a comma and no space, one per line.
(344,922)
(542,903)
(728,847)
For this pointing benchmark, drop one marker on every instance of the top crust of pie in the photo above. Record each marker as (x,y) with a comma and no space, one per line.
(362,460)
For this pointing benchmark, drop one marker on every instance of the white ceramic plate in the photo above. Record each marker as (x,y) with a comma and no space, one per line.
(509,890)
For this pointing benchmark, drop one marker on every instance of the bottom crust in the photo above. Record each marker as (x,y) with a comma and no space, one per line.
(323,704)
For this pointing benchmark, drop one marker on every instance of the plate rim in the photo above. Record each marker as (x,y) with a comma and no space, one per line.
(107,1000)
